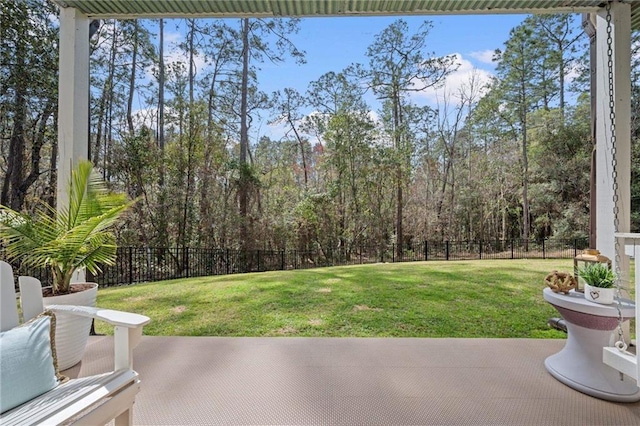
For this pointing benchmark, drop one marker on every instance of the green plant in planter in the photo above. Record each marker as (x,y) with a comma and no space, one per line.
(77,236)
(598,275)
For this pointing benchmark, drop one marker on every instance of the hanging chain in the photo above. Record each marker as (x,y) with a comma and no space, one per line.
(620,343)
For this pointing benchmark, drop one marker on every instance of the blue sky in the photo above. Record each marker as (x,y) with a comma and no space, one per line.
(332,44)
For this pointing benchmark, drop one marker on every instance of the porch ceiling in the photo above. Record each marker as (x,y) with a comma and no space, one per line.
(308,8)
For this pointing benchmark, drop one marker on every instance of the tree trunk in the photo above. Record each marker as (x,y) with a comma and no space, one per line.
(302,153)
(95,149)
(53,170)
(161,217)
(108,113)
(561,80)
(161,96)
(13,178)
(243,189)
(185,234)
(36,147)
(525,184)
(397,123)
(132,79)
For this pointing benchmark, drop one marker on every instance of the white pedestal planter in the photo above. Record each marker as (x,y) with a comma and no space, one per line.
(604,296)
(579,364)
(72,332)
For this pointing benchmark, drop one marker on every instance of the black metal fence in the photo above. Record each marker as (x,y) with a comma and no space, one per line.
(146,264)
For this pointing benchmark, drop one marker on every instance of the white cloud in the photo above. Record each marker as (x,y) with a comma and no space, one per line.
(466,79)
(572,74)
(173,55)
(145,117)
(374,116)
(172,38)
(275,131)
(483,56)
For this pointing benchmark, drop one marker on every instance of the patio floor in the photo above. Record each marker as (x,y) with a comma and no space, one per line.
(347,381)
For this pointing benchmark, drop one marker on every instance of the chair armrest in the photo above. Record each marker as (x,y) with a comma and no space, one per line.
(127,329)
(124,319)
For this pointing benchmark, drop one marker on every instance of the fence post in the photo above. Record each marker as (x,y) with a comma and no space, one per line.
(258,259)
(282,260)
(227,261)
(361,248)
(544,254)
(426,250)
(186,261)
(148,262)
(393,253)
(512,249)
(130,265)
(480,249)
(295,259)
(575,247)
(446,250)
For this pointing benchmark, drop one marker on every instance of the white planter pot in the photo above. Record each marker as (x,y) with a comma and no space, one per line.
(604,296)
(72,331)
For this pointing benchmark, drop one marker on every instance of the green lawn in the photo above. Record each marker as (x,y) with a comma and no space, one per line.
(489,298)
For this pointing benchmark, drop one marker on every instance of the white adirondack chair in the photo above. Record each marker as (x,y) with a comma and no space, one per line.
(93,400)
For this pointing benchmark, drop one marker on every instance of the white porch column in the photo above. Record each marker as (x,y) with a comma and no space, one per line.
(73,96)
(621,38)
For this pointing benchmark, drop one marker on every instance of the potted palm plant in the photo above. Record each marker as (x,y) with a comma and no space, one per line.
(73,238)
(599,283)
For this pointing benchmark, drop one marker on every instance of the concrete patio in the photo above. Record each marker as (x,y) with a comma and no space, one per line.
(349,381)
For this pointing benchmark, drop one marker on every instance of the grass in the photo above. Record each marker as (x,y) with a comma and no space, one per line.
(489,298)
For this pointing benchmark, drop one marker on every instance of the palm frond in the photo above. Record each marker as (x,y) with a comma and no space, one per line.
(19,232)
(100,254)
(75,236)
(77,191)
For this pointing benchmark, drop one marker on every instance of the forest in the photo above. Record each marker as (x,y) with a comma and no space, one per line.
(510,158)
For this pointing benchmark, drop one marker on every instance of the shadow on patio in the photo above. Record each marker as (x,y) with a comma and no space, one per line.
(350,381)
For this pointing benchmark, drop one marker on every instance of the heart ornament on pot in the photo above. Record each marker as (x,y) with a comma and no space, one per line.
(604,296)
